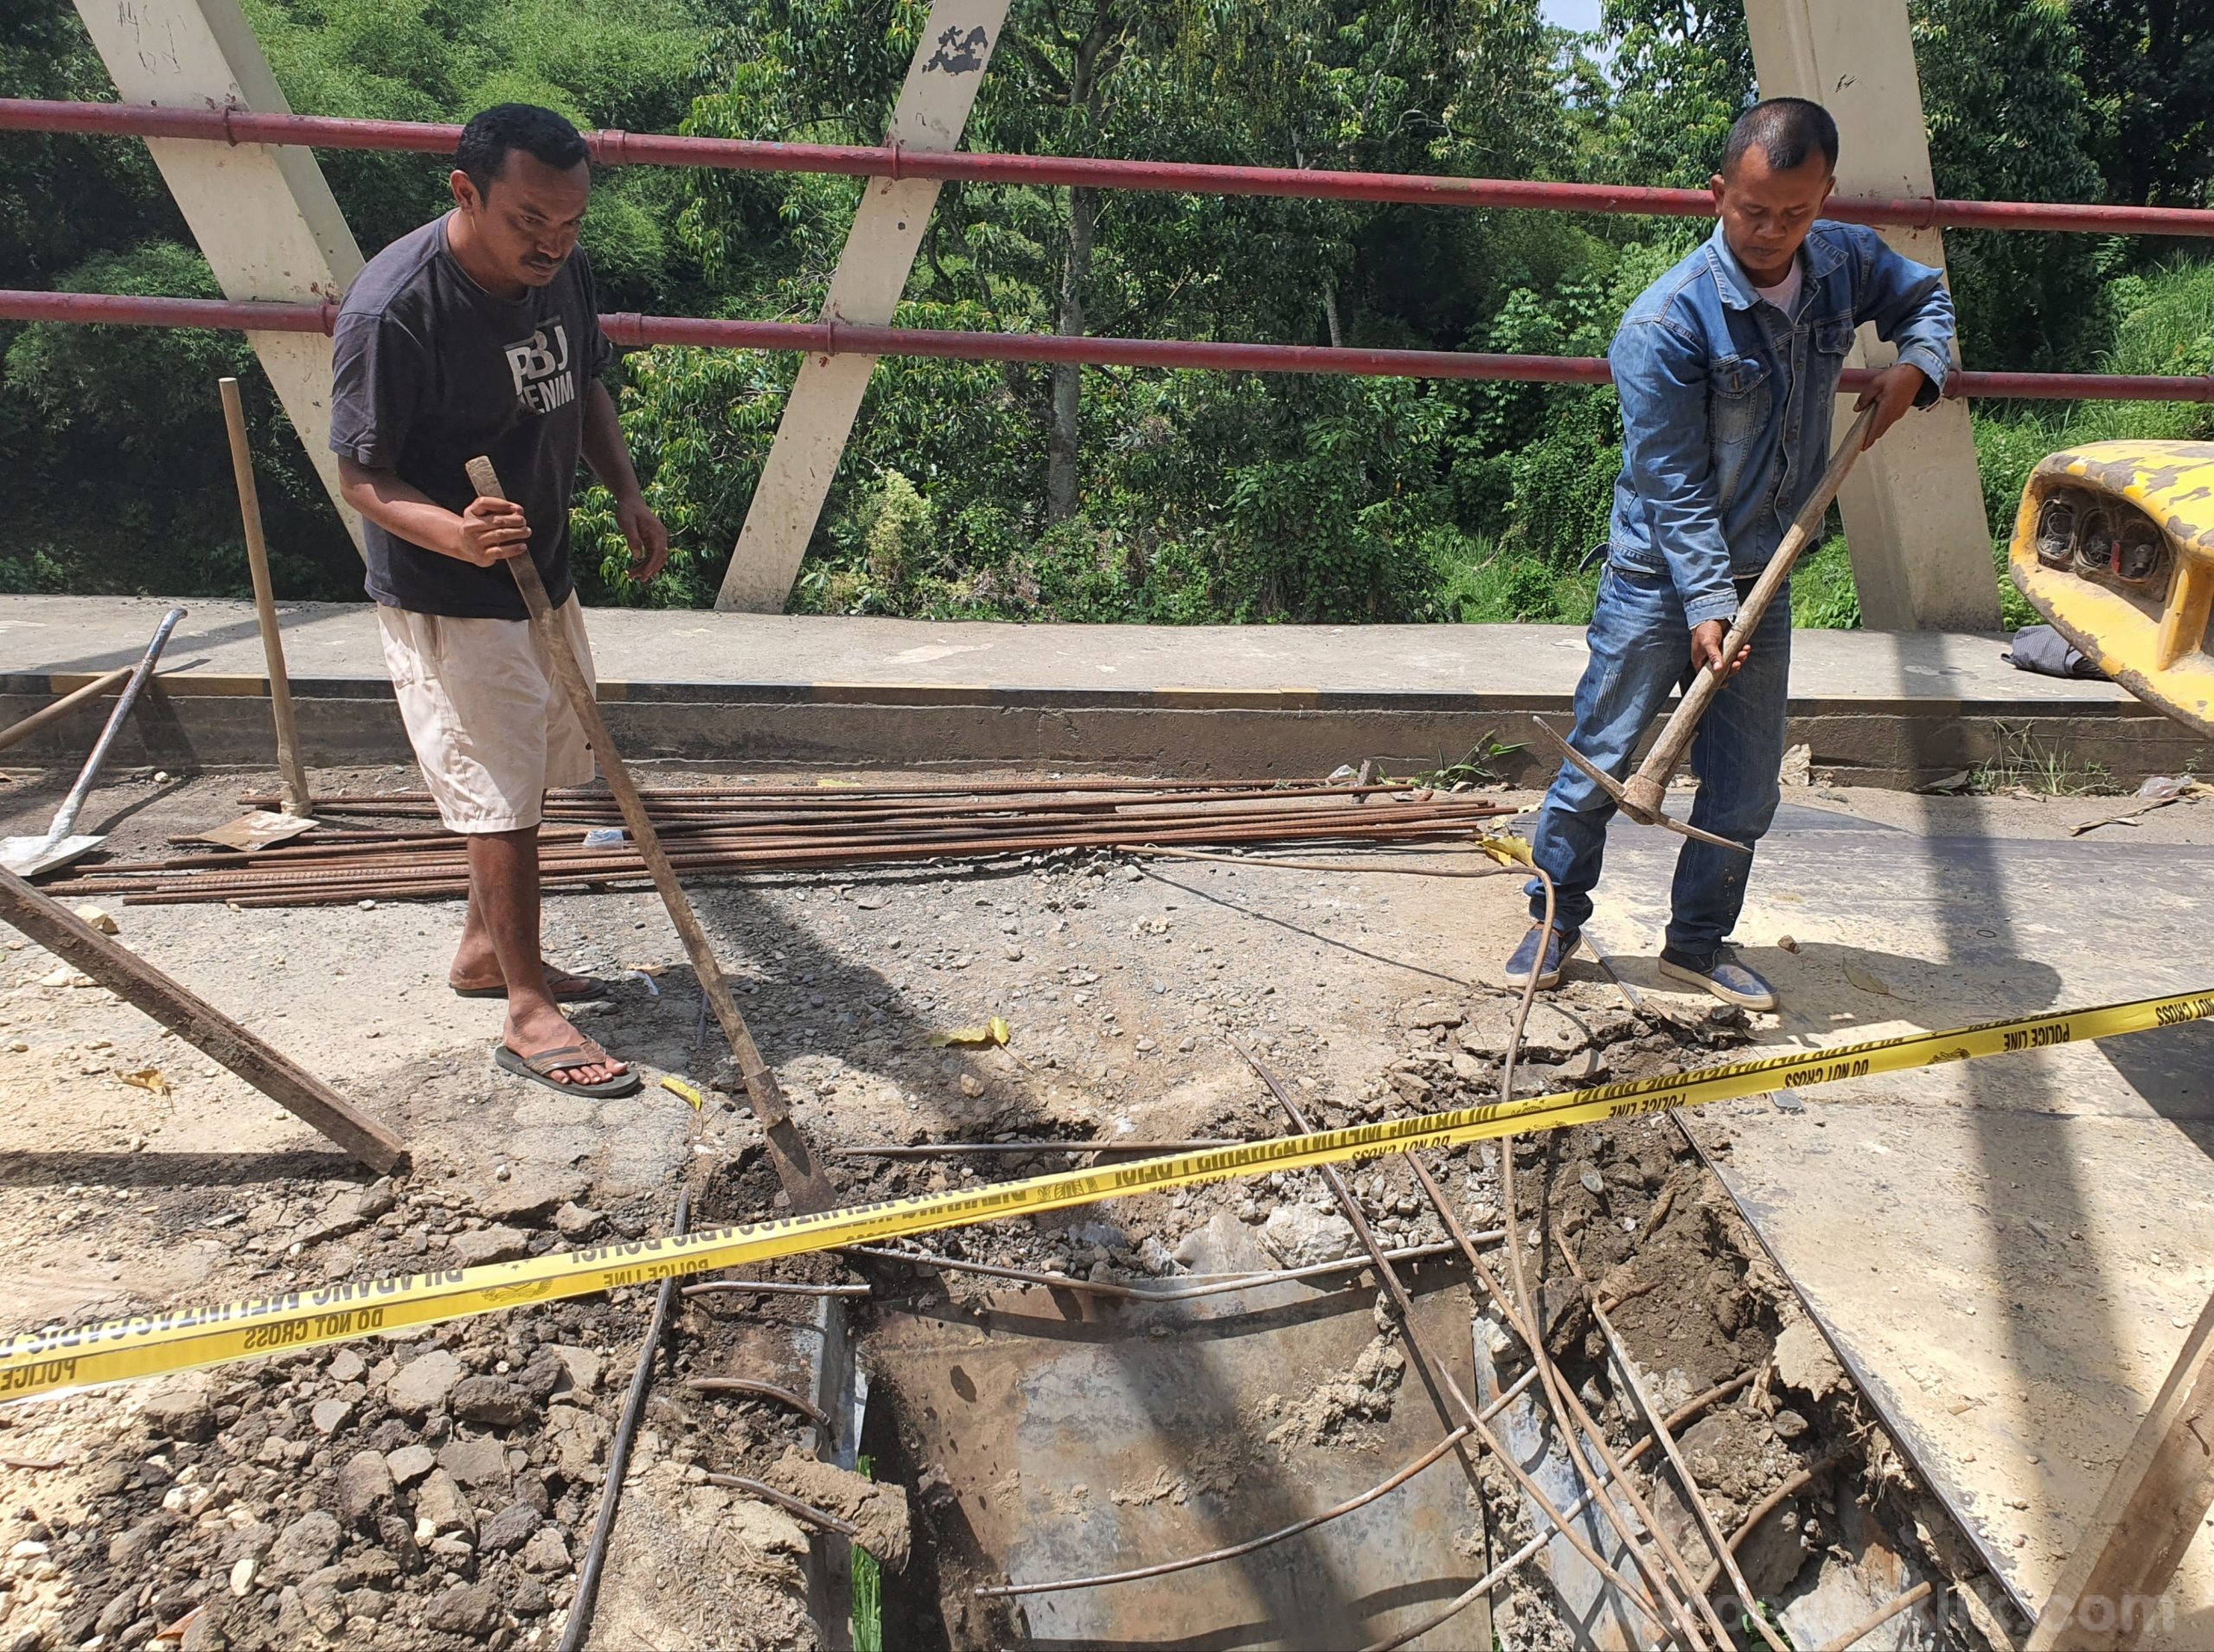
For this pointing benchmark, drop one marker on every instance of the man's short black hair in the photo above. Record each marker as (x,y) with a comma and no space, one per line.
(539,133)
(1785,129)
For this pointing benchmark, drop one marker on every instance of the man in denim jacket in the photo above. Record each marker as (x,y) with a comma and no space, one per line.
(1726,367)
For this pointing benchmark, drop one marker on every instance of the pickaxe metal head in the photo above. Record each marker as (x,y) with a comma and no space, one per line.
(1641,802)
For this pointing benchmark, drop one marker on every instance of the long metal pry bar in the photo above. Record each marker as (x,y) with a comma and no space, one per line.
(1639,797)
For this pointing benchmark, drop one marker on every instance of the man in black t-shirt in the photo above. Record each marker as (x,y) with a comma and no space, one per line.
(478,334)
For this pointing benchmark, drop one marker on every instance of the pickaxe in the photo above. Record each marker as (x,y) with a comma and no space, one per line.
(1639,797)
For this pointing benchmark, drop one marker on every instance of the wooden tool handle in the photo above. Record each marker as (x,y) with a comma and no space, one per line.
(62,708)
(805,1184)
(290,768)
(1641,792)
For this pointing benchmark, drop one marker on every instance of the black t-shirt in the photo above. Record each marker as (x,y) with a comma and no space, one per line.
(430,370)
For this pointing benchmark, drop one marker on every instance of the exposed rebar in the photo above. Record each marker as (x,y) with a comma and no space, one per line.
(619,1455)
(1442,1384)
(1877,1618)
(806,1511)
(1768,1504)
(1133,1293)
(748,1387)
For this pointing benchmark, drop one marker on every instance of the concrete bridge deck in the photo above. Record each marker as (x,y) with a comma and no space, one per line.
(1877,707)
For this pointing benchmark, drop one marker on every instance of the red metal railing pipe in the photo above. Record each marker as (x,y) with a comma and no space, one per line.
(119,309)
(833,338)
(648,149)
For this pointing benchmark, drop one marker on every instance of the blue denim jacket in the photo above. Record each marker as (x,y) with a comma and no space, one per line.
(1726,403)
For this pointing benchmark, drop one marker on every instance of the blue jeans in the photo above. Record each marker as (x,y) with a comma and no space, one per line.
(1640,650)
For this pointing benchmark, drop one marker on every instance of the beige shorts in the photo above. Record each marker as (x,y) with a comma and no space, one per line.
(485,714)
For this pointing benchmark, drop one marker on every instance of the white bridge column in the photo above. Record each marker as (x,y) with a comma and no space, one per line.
(933,108)
(1913,506)
(263,214)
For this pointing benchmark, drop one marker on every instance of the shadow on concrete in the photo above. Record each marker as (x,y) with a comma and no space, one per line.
(175,1169)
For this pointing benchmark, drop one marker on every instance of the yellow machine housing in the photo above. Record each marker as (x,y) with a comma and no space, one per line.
(2115,545)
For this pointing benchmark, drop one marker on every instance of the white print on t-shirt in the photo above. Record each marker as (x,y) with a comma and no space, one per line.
(543,381)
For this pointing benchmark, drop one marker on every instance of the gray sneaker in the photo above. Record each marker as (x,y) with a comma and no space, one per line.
(1560,950)
(1721,974)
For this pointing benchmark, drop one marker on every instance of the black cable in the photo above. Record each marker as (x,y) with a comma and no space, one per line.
(618,1458)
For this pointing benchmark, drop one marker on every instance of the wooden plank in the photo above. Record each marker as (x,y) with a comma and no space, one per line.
(951,55)
(139,984)
(798,1168)
(2109,1595)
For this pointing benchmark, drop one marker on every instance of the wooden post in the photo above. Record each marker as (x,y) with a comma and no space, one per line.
(289,767)
(2162,1488)
(805,1186)
(139,984)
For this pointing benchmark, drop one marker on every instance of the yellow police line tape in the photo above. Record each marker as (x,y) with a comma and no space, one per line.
(151,1345)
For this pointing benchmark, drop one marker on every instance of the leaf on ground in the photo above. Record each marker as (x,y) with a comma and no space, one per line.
(1866,980)
(1506,849)
(989,1036)
(152,1079)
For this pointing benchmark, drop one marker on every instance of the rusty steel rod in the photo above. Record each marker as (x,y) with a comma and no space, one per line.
(1768,1504)
(433,873)
(1448,1394)
(1133,1293)
(807,1511)
(1405,1472)
(747,1386)
(1658,1426)
(429,852)
(1877,1618)
(770,1288)
(1570,1416)
(1532,1329)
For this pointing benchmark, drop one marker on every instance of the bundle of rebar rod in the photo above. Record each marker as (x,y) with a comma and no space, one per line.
(729,830)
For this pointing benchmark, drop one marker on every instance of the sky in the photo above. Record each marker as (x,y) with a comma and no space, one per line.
(1571,13)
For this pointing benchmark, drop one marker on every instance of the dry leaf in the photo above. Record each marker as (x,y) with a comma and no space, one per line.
(1867,982)
(147,1079)
(1506,849)
(989,1037)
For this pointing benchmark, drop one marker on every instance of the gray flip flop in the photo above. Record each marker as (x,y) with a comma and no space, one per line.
(588,988)
(541,1067)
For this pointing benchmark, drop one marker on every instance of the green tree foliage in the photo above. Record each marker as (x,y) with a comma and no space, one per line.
(1683,73)
(2149,67)
(975,489)
(2009,121)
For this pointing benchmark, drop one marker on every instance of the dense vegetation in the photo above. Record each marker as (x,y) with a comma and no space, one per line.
(976,490)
